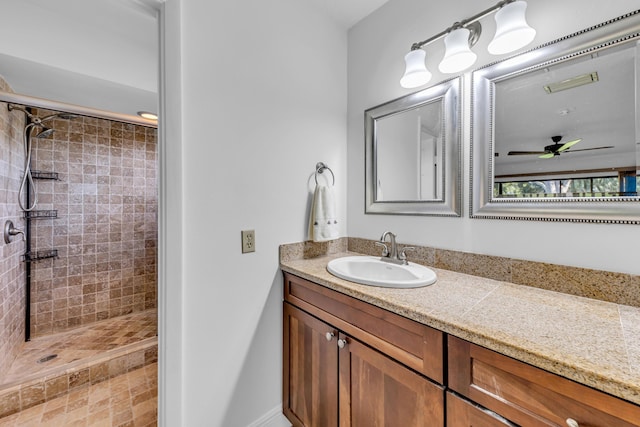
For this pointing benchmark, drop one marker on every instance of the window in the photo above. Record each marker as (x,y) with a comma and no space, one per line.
(600,186)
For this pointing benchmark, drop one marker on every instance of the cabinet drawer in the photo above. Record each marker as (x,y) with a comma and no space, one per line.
(528,395)
(462,413)
(411,343)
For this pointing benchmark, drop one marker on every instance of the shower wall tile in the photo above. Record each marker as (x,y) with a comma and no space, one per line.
(106,229)
(12,270)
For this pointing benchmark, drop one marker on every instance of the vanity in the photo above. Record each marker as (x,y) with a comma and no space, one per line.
(464,351)
(523,344)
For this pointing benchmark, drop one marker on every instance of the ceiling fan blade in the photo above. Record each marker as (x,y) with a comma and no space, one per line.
(569,144)
(589,149)
(547,156)
(520,153)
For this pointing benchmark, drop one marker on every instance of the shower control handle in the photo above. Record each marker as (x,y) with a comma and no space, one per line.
(10,231)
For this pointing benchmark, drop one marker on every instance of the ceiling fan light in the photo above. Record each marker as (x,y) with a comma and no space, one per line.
(416,73)
(458,56)
(512,30)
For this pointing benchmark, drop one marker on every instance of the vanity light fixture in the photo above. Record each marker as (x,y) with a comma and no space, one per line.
(512,33)
(458,55)
(416,73)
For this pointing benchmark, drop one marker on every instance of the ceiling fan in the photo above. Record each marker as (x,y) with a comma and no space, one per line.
(556,148)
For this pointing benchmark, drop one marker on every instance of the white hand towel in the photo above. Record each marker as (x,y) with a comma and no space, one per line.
(323,223)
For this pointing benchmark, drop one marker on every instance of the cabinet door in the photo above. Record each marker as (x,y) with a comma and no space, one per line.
(377,391)
(310,371)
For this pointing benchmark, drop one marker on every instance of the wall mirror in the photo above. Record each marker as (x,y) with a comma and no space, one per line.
(555,130)
(412,153)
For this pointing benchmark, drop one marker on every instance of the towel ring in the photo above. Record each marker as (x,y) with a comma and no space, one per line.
(320,168)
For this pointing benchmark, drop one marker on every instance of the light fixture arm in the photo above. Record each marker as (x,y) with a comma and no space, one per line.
(471,24)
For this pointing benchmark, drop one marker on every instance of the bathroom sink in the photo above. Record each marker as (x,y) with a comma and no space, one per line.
(369,270)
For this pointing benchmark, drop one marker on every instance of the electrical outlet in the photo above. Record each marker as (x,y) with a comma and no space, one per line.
(248,241)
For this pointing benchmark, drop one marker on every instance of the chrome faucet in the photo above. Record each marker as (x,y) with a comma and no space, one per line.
(390,254)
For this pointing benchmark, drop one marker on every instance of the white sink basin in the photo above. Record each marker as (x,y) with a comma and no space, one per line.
(368,270)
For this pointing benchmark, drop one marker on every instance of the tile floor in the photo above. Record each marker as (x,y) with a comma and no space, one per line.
(126,400)
(81,343)
(125,397)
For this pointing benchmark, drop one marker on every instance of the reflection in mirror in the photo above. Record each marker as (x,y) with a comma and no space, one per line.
(413,155)
(582,139)
(407,160)
(555,131)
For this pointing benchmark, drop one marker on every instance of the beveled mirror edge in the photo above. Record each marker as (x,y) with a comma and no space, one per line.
(451,202)
(482,204)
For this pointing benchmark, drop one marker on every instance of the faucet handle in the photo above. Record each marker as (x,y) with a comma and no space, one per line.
(385,249)
(403,255)
(10,231)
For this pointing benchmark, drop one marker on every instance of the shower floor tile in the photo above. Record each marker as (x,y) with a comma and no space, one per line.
(81,343)
(127,400)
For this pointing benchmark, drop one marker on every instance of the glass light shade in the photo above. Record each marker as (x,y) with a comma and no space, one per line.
(512,30)
(416,73)
(458,56)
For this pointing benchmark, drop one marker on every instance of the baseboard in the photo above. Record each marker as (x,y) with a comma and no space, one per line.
(273,418)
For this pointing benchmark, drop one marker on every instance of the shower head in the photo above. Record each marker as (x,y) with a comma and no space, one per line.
(67,116)
(44,133)
(38,120)
(64,116)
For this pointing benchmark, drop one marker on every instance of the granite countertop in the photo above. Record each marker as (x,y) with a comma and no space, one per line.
(592,342)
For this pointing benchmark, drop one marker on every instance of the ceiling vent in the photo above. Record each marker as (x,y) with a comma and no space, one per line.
(572,82)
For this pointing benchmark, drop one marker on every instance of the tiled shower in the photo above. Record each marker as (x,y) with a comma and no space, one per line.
(92,257)
(100,217)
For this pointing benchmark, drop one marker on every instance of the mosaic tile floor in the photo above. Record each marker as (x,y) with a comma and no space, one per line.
(81,343)
(126,400)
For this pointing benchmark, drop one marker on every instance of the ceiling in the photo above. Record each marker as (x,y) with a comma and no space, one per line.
(72,52)
(348,12)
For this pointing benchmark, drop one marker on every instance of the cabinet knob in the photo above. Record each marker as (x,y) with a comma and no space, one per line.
(572,423)
(330,336)
(342,343)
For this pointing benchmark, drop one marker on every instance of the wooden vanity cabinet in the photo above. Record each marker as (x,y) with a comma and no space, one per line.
(529,396)
(338,373)
(349,363)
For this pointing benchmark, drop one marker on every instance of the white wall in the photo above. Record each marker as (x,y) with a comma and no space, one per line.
(101,54)
(263,94)
(377,45)
(75,35)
